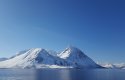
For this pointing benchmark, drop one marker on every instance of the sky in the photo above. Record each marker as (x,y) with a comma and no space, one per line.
(97,27)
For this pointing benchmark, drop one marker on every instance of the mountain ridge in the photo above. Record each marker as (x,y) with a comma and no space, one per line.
(71,57)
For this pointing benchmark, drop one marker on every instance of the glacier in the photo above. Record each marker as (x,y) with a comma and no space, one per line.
(71,57)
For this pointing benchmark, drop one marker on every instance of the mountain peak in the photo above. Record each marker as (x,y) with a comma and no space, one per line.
(77,58)
(71,52)
(72,48)
(40,58)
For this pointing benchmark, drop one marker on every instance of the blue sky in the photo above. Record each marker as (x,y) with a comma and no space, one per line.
(97,27)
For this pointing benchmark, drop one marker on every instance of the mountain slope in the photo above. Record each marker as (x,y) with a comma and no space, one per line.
(41,58)
(31,58)
(77,58)
(3,59)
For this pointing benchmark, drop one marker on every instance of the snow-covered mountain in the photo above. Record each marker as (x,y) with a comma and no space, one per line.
(77,58)
(32,58)
(113,66)
(40,58)
(3,59)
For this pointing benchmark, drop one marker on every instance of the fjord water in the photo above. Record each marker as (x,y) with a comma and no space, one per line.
(62,74)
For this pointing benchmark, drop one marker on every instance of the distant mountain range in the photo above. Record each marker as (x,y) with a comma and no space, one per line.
(71,57)
(113,66)
(2,59)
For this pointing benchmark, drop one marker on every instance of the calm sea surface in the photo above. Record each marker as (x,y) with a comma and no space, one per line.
(62,74)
